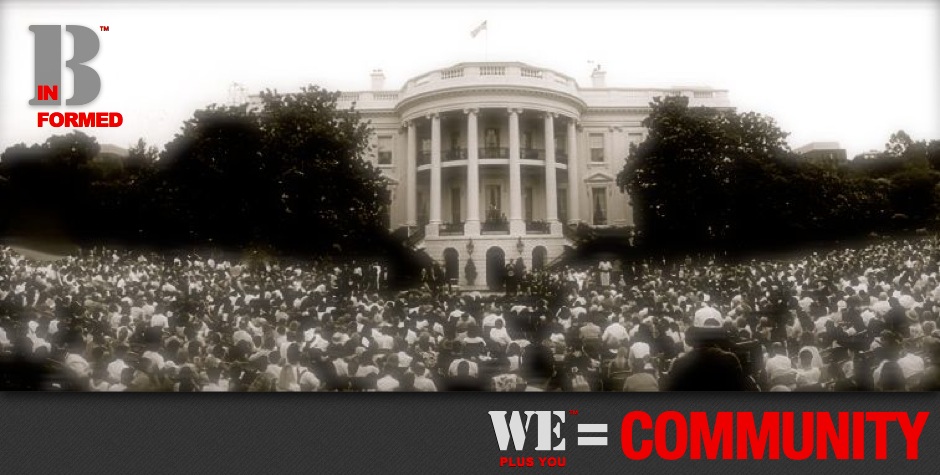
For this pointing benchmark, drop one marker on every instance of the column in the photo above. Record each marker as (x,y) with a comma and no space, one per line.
(434,223)
(411,161)
(574,181)
(551,184)
(516,224)
(472,225)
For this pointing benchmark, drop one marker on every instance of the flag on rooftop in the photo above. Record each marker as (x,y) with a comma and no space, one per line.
(476,31)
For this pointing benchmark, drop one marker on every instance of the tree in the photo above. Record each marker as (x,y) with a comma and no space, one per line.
(48,186)
(707,179)
(701,176)
(288,176)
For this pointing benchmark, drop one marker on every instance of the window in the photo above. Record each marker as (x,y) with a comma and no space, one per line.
(385,150)
(599,205)
(527,140)
(454,140)
(563,205)
(491,139)
(494,209)
(527,199)
(422,207)
(455,205)
(597,147)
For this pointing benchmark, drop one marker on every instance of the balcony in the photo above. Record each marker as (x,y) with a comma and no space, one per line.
(454,154)
(451,229)
(494,227)
(496,223)
(537,227)
(494,152)
(531,154)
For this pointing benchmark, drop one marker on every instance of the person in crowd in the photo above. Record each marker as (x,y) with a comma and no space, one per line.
(856,318)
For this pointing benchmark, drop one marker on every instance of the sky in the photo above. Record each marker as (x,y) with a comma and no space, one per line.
(852,73)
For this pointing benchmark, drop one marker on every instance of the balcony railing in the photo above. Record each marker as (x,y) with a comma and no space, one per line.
(531,154)
(451,229)
(537,227)
(495,227)
(455,154)
(494,152)
(424,158)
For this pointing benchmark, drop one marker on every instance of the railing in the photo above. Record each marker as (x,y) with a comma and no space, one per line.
(495,227)
(537,227)
(492,70)
(494,152)
(531,73)
(455,154)
(531,154)
(385,96)
(349,96)
(452,73)
(451,229)
(424,158)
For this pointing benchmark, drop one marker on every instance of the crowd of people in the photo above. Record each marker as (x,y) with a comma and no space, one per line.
(859,318)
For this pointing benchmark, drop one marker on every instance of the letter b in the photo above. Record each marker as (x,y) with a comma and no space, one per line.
(48,63)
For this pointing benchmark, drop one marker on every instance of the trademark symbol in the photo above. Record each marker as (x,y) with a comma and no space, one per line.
(104,28)
(573,412)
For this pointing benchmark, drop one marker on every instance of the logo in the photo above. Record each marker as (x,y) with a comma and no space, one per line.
(546,426)
(48,77)
(726,435)
(49,65)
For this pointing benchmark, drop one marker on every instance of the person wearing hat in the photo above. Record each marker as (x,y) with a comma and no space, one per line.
(708,366)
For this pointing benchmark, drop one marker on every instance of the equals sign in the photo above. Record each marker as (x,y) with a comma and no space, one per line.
(592,429)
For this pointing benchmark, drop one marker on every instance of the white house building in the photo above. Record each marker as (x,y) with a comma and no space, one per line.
(490,161)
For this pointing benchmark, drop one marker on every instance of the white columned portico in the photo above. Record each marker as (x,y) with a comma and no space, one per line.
(434,223)
(574,206)
(472,225)
(551,184)
(411,161)
(516,224)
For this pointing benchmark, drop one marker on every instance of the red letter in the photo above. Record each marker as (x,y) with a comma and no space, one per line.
(626,435)
(789,439)
(682,435)
(858,435)
(912,432)
(502,461)
(85,119)
(56,117)
(43,117)
(70,119)
(838,439)
(720,437)
(101,119)
(116,119)
(747,435)
(881,420)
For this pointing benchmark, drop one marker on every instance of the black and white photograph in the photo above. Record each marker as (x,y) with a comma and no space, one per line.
(414,197)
